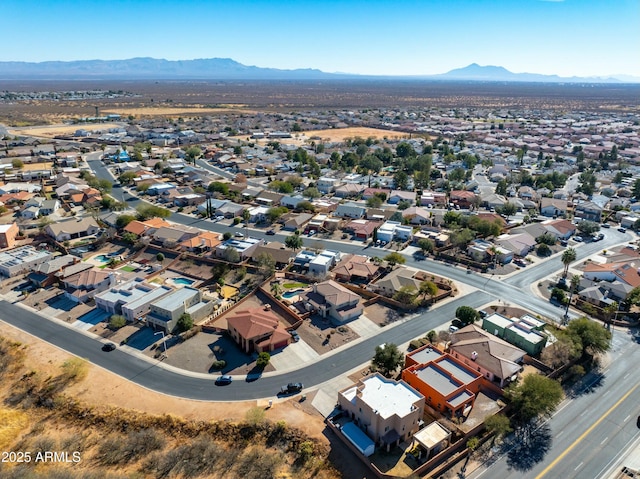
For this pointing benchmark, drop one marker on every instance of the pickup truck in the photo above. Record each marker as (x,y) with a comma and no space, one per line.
(291,388)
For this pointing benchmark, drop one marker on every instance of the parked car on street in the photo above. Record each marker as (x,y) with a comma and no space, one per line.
(291,388)
(223,380)
(108,347)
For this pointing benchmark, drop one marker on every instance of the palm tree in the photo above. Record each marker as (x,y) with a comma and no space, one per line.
(575,281)
(276,289)
(568,257)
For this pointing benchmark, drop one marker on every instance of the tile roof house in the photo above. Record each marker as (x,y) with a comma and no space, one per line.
(45,274)
(83,286)
(355,268)
(520,244)
(589,210)
(362,229)
(396,279)
(204,241)
(144,228)
(495,358)
(462,198)
(417,215)
(553,207)
(561,229)
(281,254)
(170,236)
(333,300)
(257,330)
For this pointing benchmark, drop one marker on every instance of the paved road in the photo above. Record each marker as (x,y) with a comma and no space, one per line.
(149,375)
(589,432)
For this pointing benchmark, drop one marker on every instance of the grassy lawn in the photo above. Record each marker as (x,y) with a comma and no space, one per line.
(128,269)
(294,285)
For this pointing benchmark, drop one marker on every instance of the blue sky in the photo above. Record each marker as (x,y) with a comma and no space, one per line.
(392,37)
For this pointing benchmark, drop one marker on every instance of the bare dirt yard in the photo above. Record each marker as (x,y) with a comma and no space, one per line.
(103,389)
(51,131)
(173,111)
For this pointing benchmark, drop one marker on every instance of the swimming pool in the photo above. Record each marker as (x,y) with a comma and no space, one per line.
(102,258)
(291,294)
(184,281)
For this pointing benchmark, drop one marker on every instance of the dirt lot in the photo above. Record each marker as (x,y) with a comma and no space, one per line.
(173,111)
(55,130)
(323,336)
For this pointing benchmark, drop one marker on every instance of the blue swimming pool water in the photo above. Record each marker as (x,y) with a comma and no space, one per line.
(291,294)
(184,281)
(102,258)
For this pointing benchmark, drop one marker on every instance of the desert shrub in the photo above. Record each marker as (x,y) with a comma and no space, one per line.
(263,359)
(44,444)
(257,463)
(117,321)
(118,450)
(75,369)
(255,415)
(218,365)
(200,457)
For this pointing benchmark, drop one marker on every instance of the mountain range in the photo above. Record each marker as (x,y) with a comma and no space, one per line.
(228,69)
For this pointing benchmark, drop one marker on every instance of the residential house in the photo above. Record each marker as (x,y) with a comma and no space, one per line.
(269,198)
(520,244)
(146,228)
(349,190)
(333,300)
(553,207)
(388,411)
(295,221)
(281,254)
(356,268)
(483,251)
(561,229)
(362,229)
(158,189)
(392,230)
(397,196)
(396,279)
(171,236)
(230,210)
(417,215)
(191,199)
(258,214)
(327,185)
(72,229)
(370,192)
(462,198)
(201,243)
(8,234)
(448,385)
(350,210)
(245,247)
(257,330)
(165,312)
(292,202)
(589,211)
(83,286)
(131,299)
(525,332)
(21,259)
(45,274)
(497,360)
(323,262)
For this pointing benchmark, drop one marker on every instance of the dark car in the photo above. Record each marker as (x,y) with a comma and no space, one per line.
(291,388)
(108,347)
(224,380)
(270,232)
(606,225)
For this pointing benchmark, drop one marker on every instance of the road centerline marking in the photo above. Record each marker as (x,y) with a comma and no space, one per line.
(585,434)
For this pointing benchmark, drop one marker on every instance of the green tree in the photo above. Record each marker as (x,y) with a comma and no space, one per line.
(146,212)
(130,238)
(508,209)
(401,179)
(218,187)
(263,359)
(266,264)
(227,236)
(294,242)
(276,289)
(231,255)
(185,323)
(568,257)
(405,150)
(374,202)
(124,220)
(17,164)
(543,250)
(534,397)
(428,288)
(467,315)
(160,257)
(501,188)
(593,338)
(312,193)
(127,177)
(425,245)
(117,321)
(276,212)
(192,153)
(498,425)
(394,258)
(432,336)
(387,359)
(406,294)
(588,227)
